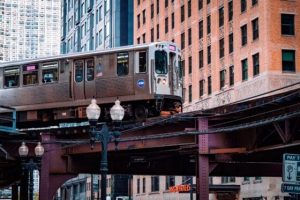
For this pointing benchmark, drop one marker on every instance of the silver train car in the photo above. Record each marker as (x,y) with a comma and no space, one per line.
(146,78)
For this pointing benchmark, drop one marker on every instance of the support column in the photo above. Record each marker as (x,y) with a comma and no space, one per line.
(15,192)
(45,168)
(203,162)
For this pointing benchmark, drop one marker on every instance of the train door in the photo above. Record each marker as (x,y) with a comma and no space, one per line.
(84,83)
(161,77)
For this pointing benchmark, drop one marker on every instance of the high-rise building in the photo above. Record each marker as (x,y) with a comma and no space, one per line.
(29,29)
(90,25)
(231,49)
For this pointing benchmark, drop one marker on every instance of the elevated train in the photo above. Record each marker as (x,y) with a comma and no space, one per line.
(146,78)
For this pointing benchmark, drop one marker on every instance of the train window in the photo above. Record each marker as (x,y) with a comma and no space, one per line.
(161,64)
(122,64)
(89,70)
(78,71)
(50,72)
(11,77)
(30,74)
(142,62)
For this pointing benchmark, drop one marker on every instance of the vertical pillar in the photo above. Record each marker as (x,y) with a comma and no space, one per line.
(15,192)
(24,186)
(45,168)
(203,162)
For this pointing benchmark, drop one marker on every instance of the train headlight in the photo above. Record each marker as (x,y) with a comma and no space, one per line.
(164,81)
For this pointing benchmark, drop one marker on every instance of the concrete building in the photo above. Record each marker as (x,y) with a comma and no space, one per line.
(29,29)
(90,25)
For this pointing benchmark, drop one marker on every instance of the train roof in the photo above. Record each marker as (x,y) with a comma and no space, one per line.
(77,54)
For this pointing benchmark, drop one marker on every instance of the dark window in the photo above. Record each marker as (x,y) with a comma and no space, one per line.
(139,1)
(182,40)
(170,181)
(138,40)
(227,179)
(243,5)
(152,11)
(201,88)
(201,29)
(187,180)
(183,67)
(189,8)
(78,71)
(190,36)
(200,4)
(287,24)
(122,64)
(144,38)
(152,34)
(157,31)
(166,3)
(257,178)
(222,79)
(288,60)
(190,65)
(138,186)
(254,2)
(221,16)
(166,25)
(231,43)
(144,16)
(244,69)
(255,29)
(173,20)
(244,34)
(255,60)
(208,55)
(190,93)
(221,48)
(11,77)
(161,64)
(208,24)
(201,59)
(138,20)
(50,72)
(230,10)
(154,183)
(144,185)
(208,2)
(157,6)
(209,85)
(90,70)
(231,75)
(182,13)
(142,62)
(246,178)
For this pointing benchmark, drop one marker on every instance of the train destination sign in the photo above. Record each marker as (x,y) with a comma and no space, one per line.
(290,188)
(291,168)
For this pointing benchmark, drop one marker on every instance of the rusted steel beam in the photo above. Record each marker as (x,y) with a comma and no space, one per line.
(227,150)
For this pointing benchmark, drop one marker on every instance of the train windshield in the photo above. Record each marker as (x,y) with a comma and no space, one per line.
(161,64)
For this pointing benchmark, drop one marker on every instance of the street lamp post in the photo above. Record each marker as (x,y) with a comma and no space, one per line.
(30,163)
(103,135)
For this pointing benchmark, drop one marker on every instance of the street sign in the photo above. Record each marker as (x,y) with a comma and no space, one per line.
(291,168)
(290,188)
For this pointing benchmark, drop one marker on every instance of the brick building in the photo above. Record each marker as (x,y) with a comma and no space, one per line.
(231,49)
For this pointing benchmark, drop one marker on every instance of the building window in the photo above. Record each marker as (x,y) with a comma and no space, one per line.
(209,85)
(231,43)
(201,59)
(201,29)
(254,2)
(190,36)
(139,1)
(144,38)
(288,60)
(138,40)
(246,178)
(221,48)
(189,8)
(200,4)
(138,186)
(255,60)
(166,3)
(231,75)
(157,31)
(201,88)
(208,24)
(222,79)
(157,6)
(244,69)
(170,181)
(144,185)
(190,93)
(243,5)
(138,20)
(152,34)
(244,34)
(255,29)
(183,67)
(166,25)
(208,2)
(208,55)
(182,13)
(287,24)
(230,10)
(152,11)
(173,20)
(144,16)
(221,16)
(154,183)
(182,40)
(190,65)
(228,179)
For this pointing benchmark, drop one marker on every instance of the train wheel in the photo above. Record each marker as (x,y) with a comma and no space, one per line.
(140,112)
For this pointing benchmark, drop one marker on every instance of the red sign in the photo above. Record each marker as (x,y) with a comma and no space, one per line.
(180,188)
